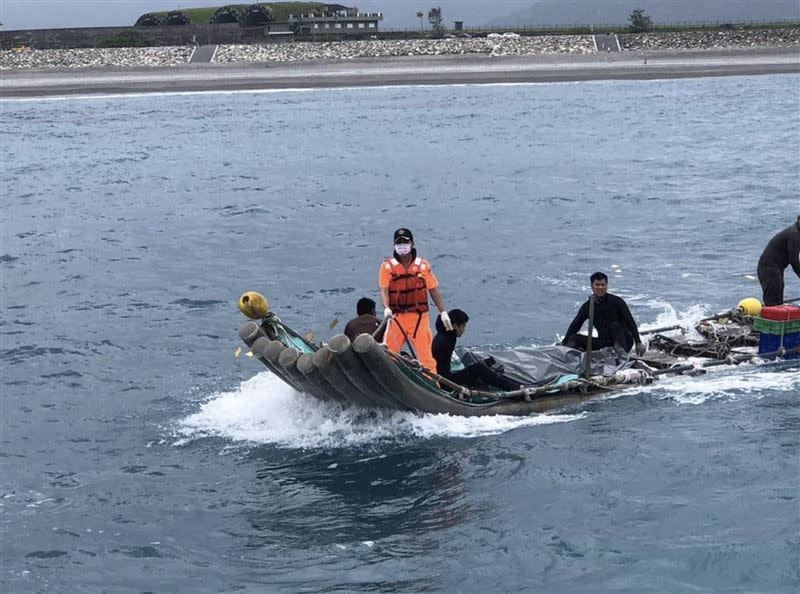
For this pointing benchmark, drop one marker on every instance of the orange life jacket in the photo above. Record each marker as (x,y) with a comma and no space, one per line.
(408,290)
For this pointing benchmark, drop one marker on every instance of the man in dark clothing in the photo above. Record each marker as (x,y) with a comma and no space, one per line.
(365,323)
(477,375)
(781,251)
(612,319)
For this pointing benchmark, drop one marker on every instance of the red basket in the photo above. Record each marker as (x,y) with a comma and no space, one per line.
(781,313)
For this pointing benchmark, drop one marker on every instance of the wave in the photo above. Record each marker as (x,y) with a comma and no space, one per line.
(749,380)
(264,410)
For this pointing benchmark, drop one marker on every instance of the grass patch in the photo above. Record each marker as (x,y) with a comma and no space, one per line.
(281,10)
(124,39)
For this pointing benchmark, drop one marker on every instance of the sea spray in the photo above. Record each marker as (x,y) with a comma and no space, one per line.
(264,410)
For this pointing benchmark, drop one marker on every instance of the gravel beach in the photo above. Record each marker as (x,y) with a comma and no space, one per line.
(704,40)
(496,59)
(502,45)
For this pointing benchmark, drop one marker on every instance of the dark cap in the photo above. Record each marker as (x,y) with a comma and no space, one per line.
(403,233)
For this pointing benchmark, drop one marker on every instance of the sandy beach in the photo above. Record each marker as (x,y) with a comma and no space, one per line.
(406,70)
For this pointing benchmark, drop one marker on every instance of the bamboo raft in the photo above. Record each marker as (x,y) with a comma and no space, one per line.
(365,373)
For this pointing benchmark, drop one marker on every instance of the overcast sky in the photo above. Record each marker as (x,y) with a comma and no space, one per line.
(44,14)
(401,14)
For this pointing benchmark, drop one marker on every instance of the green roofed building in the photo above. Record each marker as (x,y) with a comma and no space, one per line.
(261,22)
(303,19)
(335,21)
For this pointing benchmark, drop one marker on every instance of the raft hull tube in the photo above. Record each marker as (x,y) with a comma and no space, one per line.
(323,360)
(358,375)
(434,400)
(365,374)
(387,375)
(305,364)
(271,356)
(288,360)
(260,345)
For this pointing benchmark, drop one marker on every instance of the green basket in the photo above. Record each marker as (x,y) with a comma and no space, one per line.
(776,327)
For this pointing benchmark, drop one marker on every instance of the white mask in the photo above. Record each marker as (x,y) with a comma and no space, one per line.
(402,249)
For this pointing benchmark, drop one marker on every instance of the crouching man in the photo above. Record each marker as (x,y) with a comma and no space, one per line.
(612,319)
(476,375)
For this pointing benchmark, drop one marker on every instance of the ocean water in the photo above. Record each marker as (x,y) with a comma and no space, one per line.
(137,454)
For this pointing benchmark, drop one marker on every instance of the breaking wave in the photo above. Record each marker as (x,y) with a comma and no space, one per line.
(749,380)
(264,410)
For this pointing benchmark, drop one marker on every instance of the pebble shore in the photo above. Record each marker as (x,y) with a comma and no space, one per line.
(94,58)
(494,45)
(505,45)
(701,40)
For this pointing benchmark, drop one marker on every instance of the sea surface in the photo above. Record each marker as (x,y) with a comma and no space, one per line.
(138,454)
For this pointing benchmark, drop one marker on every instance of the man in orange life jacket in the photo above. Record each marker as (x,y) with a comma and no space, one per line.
(405,281)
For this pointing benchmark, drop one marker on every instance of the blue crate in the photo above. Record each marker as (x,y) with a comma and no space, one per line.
(769,343)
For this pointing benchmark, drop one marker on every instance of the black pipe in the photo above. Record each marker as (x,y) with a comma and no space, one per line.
(587,371)
(729,361)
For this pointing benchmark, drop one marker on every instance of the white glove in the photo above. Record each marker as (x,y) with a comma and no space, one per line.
(387,312)
(448,325)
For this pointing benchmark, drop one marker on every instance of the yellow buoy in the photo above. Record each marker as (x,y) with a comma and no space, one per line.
(253,305)
(750,306)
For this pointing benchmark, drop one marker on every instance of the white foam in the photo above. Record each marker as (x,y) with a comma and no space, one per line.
(264,410)
(748,380)
(688,318)
(731,385)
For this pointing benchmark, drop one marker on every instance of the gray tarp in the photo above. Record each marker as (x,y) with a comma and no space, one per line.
(542,365)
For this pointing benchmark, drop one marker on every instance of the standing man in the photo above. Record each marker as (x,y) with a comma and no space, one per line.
(781,251)
(405,281)
(612,319)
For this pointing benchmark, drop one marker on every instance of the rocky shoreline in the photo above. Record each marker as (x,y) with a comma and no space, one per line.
(702,40)
(95,58)
(493,45)
(501,45)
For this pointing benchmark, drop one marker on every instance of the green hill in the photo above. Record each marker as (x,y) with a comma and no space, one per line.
(281,10)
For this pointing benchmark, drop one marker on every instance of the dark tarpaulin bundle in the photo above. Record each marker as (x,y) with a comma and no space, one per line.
(537,366)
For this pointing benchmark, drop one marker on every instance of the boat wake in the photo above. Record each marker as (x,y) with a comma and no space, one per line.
(752,379)
(264,410)
(744,381)
(747,380)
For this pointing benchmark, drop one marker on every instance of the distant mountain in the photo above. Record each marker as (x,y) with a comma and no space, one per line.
(614,12)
